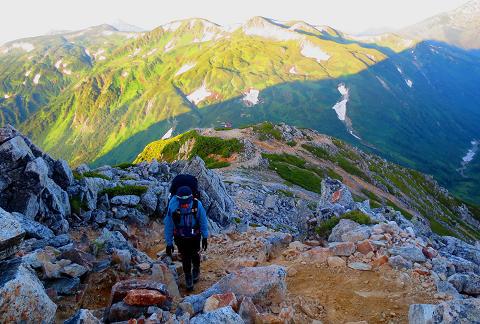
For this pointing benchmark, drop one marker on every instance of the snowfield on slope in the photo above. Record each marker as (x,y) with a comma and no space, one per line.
(341,106)
(250,97)
(186,67)
(311,50)
(27,47)
(471,152)
(168,134)
(199,95)
(271,31)
(36,78)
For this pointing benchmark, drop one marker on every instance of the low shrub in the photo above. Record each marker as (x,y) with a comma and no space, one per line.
(125,190)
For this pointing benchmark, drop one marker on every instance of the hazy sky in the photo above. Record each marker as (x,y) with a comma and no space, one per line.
(23,18)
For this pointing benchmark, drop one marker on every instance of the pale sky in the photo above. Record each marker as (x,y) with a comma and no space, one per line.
(24,18)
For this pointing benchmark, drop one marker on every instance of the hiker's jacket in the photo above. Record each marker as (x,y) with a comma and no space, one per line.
(201,226)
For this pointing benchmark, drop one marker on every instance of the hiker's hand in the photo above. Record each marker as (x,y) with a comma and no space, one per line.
(169,250)
(204,243)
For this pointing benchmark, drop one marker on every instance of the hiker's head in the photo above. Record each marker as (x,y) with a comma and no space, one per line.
(184,194)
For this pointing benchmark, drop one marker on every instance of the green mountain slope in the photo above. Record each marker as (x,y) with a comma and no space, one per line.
(415,103)
(316,156)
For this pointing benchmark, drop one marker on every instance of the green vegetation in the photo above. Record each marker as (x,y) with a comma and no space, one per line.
(124,165)
(325,228)
(94,174)
(293,169)
(77,205)
(286,193)
(319,152)
(211,149)
(125,190)
(267,130)
(291,143)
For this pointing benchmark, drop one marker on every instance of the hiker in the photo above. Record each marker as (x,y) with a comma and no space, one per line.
(186,224)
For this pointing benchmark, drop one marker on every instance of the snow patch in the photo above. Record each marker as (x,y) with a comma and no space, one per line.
(409,82)
(6,96)
(292,70)
(169,46)
(152,51)
(313,51)
(36,78)
(271,31)
(173,26)
(207,36)
(250,97)
(471,152)
(136,51)
(185,68)
(354,135)
(199,94)
(27,47)
(399,70)
(58,63)
(28,73)
(371,57)
(341,106)
(383,83)
(125,74)
(168,134)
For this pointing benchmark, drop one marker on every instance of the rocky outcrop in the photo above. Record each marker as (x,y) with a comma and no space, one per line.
(224,315)
(11,235)
(455,311)
(22,296)
(214,195)
(33,183)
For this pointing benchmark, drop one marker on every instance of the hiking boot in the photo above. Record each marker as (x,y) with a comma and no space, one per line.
(189,282)
(196,274)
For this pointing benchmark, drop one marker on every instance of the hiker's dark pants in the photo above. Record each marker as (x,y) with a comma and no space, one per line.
(189,249)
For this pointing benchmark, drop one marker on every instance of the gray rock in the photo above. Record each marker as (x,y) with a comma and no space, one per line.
(74,270)
(99,216)
(122,312)
(33,228)
(344,226)
(466,311)
(126,200)
(466,283)
(359,266)
(454,246)
(409,253)
(149,202)
(83,316)
(11,235)
(34,306)
(82,168)
(225,315)
(359,234)
(14,153)
(335,193)
(217,202)
(398,262)
(64,286)
(62,174)
(420,314)
(263,284)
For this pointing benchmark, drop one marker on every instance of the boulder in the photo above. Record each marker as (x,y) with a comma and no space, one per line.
(409,253)
(34,306)
(220,300)
(336,262)
(334,192)
(248,311)
(420,314)
(358,234)
(64,286)
(454,246)
(121,289)
(360,266)
(126,200)
(11,234)
(468,284)
(32,228)
(121,311)
(365,247)
(318,254)
(225,315)
(342,248)
(265,285)
(457,311)
(145,297)
(398,262)
(83,316)
(62,174)
(344,226)
(74,270)
(149,202)
(214,196)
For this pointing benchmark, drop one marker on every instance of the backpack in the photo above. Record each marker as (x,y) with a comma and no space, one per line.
(186,230)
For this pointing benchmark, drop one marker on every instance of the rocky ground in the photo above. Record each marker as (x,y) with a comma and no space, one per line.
(87,247)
